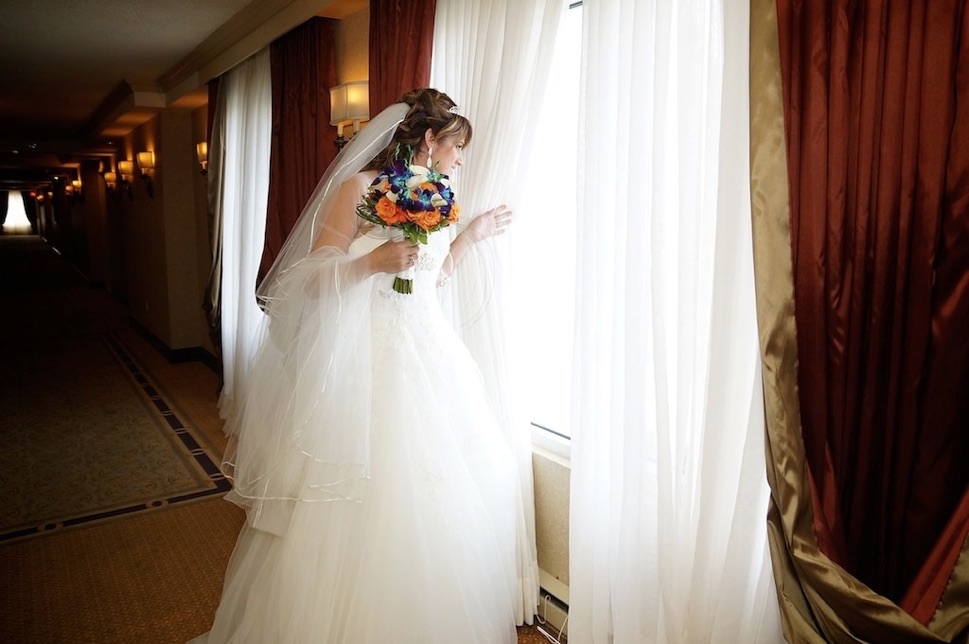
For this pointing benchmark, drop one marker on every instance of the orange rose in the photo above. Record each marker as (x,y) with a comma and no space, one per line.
(387,211)
(427,219)
(455,212)
(401,215)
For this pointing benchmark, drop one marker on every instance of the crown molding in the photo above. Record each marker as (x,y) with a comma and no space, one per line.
(246,33)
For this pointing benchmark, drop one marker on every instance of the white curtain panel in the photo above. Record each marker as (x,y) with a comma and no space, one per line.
(247,129)
(668,539)
(492,58)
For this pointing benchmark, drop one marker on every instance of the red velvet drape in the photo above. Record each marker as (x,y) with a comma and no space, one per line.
(876,99)
(303,64)
(401,40)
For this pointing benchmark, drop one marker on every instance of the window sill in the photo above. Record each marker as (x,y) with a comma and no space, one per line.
(551,446)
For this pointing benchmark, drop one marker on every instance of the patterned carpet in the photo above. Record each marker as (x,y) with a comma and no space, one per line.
(87,436)
(86,433)
(151,576)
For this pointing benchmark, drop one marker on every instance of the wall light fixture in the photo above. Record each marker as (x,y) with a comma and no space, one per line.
(202,152)
(349,103)
(146,163)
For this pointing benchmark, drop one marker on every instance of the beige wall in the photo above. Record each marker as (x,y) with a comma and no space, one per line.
(551,476)
(352,47)
(162,241)
(175,184)
(145,240)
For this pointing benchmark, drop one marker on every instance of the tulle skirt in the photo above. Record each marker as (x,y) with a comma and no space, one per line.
(427,555)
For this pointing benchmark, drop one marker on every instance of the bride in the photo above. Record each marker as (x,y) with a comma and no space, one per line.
(382,501)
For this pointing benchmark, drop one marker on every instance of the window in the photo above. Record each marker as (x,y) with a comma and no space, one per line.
(16,221)
(543,251)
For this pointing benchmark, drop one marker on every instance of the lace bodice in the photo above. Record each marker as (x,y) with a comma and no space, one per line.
(419,310)
(430,258)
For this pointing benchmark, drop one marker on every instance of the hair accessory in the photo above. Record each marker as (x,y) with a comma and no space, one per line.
(454,110)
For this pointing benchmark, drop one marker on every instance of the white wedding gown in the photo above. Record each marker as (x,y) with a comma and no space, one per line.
(428,554)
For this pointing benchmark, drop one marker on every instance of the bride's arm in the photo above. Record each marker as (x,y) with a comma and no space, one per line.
(487,224)
(340,227)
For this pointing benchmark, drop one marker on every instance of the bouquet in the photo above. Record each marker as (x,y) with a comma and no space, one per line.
(415,199)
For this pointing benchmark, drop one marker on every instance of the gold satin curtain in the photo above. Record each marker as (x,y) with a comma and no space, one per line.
(860,189)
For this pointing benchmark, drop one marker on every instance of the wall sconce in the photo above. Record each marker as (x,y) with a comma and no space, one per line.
(111,181)
(349,103)
(202,152)
(78,193)
(126,169)
(146,163)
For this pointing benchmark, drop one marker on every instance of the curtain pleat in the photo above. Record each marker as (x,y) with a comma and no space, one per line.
(401,41)
(303,66)
(242,157)
(492,57)
(861,220)
(668,493)
(215,135)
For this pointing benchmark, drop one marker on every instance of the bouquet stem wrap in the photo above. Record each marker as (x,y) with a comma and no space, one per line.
(404,281)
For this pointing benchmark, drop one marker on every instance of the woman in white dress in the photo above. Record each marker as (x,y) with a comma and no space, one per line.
(381,497)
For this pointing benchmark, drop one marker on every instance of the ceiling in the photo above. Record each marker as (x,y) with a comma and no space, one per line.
(78,75)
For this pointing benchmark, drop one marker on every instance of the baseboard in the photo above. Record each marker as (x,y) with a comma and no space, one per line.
(175,356)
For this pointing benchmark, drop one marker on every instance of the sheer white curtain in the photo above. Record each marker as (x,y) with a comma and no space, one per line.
(245,128)
(492,57)
(668,494)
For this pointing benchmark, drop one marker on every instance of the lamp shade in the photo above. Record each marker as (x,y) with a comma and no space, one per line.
(126,167)
(146,160)
(350,102)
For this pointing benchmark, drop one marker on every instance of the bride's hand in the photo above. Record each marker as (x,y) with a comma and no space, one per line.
(393,257)
(490,223)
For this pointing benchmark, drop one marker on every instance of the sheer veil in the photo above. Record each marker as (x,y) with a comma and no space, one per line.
(363,147)
(311,366)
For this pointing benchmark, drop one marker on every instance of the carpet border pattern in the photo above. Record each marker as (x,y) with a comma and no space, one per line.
(179,431)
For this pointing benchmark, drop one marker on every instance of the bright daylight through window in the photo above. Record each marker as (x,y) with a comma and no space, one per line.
(543,246)
(16,221)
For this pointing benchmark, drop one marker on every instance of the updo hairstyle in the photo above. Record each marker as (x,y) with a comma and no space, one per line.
(429,109)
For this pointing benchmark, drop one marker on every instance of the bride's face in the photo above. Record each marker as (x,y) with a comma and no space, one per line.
(448,155)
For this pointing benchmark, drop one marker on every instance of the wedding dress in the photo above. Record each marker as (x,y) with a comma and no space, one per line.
(409,536)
